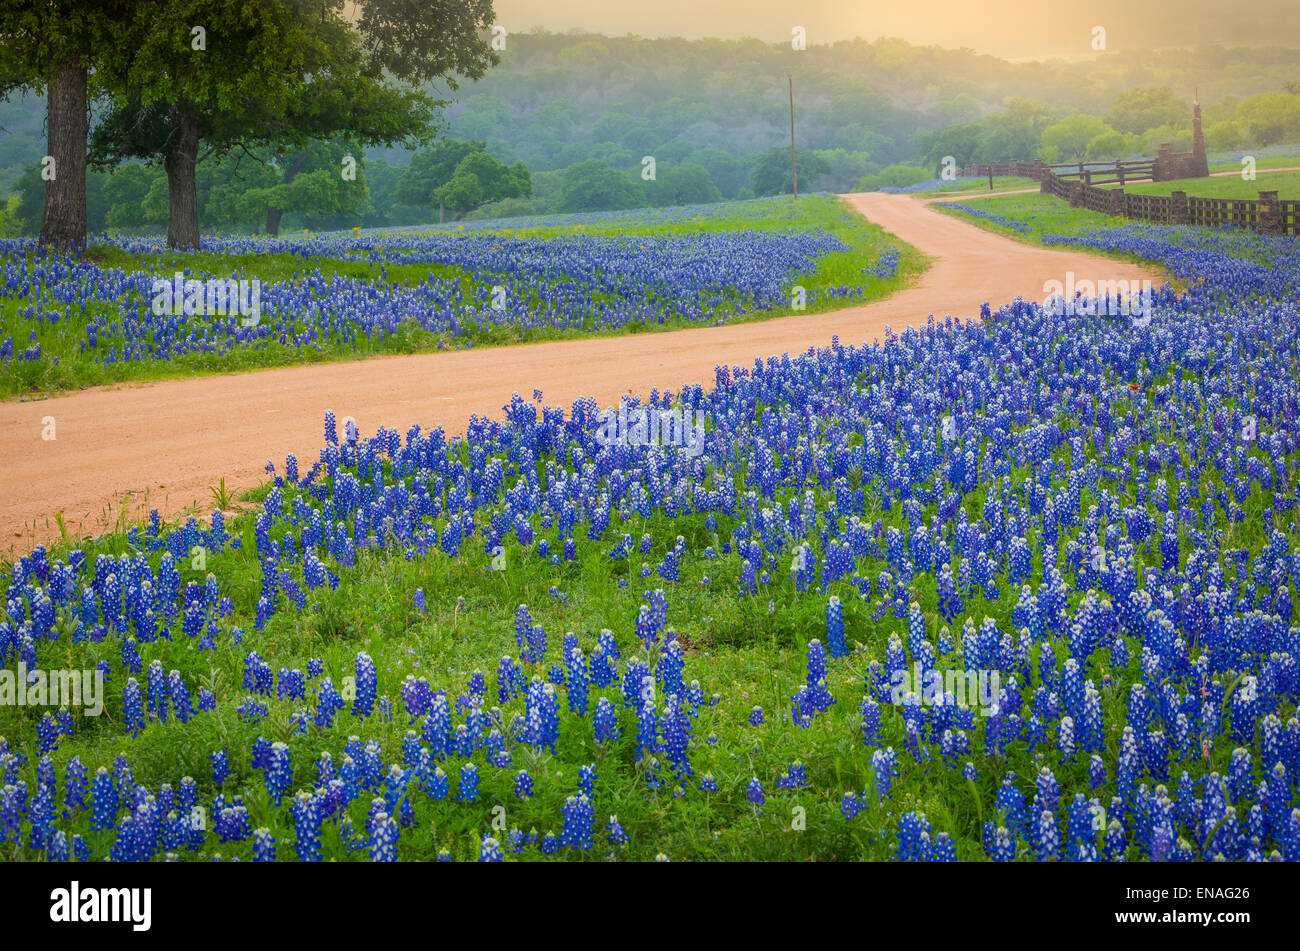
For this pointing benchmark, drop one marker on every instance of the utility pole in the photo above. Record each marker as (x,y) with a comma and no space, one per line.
(794,173)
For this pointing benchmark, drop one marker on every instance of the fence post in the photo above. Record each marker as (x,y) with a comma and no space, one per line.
(1116,208)
(1037,174)
(1270,213)
(1076,193)
(1160,171)
(1178,208)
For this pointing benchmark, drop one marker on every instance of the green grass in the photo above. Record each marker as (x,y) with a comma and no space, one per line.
(75,370)
(1044,215)
(1287,185)
(1048,215)
(1272,161)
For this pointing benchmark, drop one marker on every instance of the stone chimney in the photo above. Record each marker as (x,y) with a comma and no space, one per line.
(1200,163)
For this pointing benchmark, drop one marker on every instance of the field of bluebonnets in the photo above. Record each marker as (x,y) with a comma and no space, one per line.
(537,642)
(70,322)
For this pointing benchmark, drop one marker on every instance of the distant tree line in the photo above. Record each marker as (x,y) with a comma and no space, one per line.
(567,123)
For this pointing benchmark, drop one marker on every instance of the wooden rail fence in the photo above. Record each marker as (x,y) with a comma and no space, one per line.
(1079,184)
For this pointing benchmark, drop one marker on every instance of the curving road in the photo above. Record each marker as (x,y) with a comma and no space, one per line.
(119,451)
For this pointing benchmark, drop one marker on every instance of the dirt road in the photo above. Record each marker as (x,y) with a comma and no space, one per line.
(130,448)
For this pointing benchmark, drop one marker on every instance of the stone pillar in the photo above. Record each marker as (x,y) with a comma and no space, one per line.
(1160,171)
(1037,173)
(1116,202)
(1076,194)
(1270,213)
(1178,208)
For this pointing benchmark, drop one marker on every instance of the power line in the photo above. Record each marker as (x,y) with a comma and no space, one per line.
(794,172)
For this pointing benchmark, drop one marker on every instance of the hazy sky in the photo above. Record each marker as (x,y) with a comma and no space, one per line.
(1009,28)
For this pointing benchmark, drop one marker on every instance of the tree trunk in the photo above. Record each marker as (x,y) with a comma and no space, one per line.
(182,190)
(63,222)
(296,163)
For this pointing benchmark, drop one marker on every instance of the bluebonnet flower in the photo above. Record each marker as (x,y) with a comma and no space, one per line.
(47,733)
(542,717)
(180,697)
(468,789)
(813,698)
(13,798)
(56,846)
(328,703)
(617,835)
(523,785)
(133,707)
(950,602)
(252,710)
(606,722)
(672,662)
(510,680)
(363,704)
(232,823)
(278,773)
(587,780)
(489,850)
(1047,838)
(439,785)
(220,766)
(307,827)
(794,778)
(576,680)
(870,721)
(383,838)
(836,645)
(999,843)
(675,730)
(578,819)
(850,806)
(74,786)
(883,765)
(914,840)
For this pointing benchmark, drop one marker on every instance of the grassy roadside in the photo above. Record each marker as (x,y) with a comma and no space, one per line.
(966,186)
(1271,161)
(1233,186)
(1027,218)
